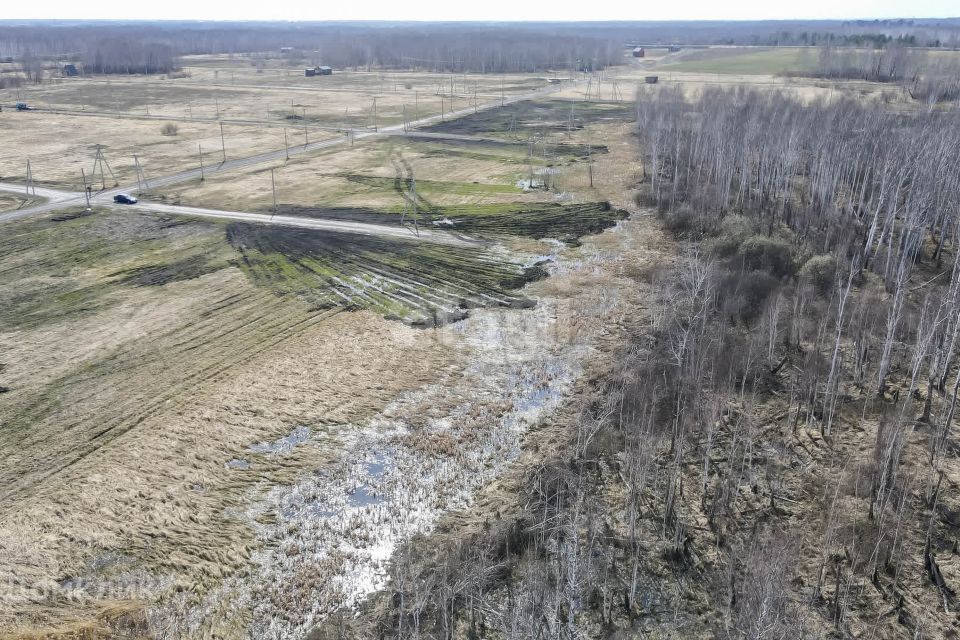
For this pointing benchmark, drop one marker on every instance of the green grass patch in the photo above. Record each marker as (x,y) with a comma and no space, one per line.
(418,282)
(433,187)
(744,61)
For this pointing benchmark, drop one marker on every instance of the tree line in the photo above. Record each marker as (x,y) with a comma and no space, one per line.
(155,48)
(924,76)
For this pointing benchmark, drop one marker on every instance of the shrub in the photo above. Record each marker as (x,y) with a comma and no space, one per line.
(169,129)
(744,292)
(680,222)
(734,229)
(772,255)
(819,271)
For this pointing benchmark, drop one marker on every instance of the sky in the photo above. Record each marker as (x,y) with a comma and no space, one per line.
(504,10)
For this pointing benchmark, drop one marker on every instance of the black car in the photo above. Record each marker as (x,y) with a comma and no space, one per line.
(123,198)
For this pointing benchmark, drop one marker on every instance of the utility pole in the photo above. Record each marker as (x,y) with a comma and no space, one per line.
(101,162)
(141,177)
(217,103)
(375,113)
(86,189)
(405,118)
(273,185)
(413,182)
(306,136)
(30,184)
(286,147)
(441,108)
(590,161)
(200,149)
(530,163)
(223,143)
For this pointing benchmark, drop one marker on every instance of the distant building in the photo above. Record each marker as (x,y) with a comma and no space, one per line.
(286,49)
(70,71)
(674,48)
(324,71)
(639,52)
(309,73)
(651,79)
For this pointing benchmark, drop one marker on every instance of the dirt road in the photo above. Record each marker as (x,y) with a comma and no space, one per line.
(343,226)
(52,195)
(60,199)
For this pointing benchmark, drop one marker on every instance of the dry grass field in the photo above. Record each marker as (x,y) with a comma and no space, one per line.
(148,362)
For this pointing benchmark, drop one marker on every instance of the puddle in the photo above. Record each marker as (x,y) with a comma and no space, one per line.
(527,185)
(376,468)
(537,261)
(364,497)
(237,463)
(284,444)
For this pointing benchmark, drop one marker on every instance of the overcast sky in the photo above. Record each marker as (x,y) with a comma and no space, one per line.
(477,9)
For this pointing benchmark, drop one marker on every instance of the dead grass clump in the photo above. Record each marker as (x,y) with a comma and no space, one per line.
(169,129)
(435,444)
